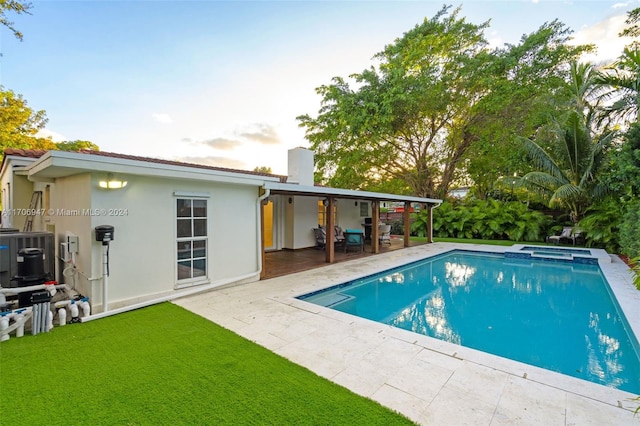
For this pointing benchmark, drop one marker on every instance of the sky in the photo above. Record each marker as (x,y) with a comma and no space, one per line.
(222,82)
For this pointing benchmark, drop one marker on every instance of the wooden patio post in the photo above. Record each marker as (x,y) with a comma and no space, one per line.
(375,219)
(329,247)
(407,223)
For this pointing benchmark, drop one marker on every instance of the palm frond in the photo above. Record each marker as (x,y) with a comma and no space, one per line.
(541,159)
(541,181)
(566,195)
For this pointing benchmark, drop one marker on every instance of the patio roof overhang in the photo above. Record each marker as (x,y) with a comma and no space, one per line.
(321,191)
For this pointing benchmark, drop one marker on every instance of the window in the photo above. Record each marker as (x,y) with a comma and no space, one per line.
(321,213)
(364,209)
(191,241)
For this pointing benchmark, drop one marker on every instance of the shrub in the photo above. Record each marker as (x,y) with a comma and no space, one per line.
(397,227)
(601,225)
(485,219)
(630,230)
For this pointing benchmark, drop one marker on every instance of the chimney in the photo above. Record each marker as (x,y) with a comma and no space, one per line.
(300,166)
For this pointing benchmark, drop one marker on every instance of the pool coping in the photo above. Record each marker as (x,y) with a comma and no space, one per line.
(339,346)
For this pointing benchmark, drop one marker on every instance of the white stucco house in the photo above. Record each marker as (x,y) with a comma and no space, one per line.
(178,227)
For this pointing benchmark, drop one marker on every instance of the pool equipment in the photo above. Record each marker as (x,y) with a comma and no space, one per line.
(31,272)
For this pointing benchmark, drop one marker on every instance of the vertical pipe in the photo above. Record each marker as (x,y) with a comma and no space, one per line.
(35,321)
(20,319)
(49,314)
(43,318)
(105,275)
(4,324)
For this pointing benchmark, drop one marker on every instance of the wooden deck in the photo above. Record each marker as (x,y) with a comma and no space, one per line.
(284,262)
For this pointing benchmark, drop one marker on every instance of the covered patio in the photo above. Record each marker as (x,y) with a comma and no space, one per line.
(297,216)
(284,262)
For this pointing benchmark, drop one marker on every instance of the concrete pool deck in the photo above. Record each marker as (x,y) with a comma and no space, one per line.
(428,380)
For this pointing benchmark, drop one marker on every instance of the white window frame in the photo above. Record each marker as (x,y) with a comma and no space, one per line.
(193,280)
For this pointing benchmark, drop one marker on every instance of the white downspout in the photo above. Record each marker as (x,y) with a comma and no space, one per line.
(261,198)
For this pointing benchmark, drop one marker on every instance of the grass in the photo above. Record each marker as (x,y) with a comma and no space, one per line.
(165,365)
(488,242)
(477,241)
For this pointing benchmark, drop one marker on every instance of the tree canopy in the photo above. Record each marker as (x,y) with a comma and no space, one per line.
(19,125)
(437,98)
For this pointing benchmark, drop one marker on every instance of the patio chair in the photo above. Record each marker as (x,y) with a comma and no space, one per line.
(576,237)
(339,235)
(353,238)
(563,237)
(321,236)
(384,234)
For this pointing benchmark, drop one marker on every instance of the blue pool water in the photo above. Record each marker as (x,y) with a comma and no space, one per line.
(555,315)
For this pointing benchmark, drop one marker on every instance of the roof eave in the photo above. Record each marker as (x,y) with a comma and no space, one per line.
(62,163)
(311,191)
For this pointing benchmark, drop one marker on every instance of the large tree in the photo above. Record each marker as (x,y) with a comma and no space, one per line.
(438,91)
(14,6)
(404,122)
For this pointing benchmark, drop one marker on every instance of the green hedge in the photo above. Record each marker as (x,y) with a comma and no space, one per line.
(486,219)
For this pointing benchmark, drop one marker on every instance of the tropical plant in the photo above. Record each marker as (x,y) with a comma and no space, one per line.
(630,229)
(569,151)
(623,77)
(485,219)
(601,225)
(635,267)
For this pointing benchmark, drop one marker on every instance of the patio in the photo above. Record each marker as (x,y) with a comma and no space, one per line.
(284,262)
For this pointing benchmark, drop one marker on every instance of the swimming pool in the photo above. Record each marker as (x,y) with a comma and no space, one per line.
(555,315)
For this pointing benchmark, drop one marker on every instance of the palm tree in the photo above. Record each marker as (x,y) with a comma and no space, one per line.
(568,152)
(623,79)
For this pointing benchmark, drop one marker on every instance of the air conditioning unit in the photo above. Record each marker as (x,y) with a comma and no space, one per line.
(11,242)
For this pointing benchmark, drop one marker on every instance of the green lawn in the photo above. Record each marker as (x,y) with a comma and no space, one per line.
(472,241)
(165,365)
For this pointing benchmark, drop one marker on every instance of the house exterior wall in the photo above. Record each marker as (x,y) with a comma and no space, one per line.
(305,212)
(142,256)
(68,198)
(16,196)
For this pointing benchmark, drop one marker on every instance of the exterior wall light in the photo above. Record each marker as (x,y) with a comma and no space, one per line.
(112,183)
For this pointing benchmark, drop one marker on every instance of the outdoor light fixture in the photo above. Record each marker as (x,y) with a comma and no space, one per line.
(112,183)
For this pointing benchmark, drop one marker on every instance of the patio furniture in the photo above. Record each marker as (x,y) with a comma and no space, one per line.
(353,238)
(576,237)
(557,239)
(384,234)
(321,236)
